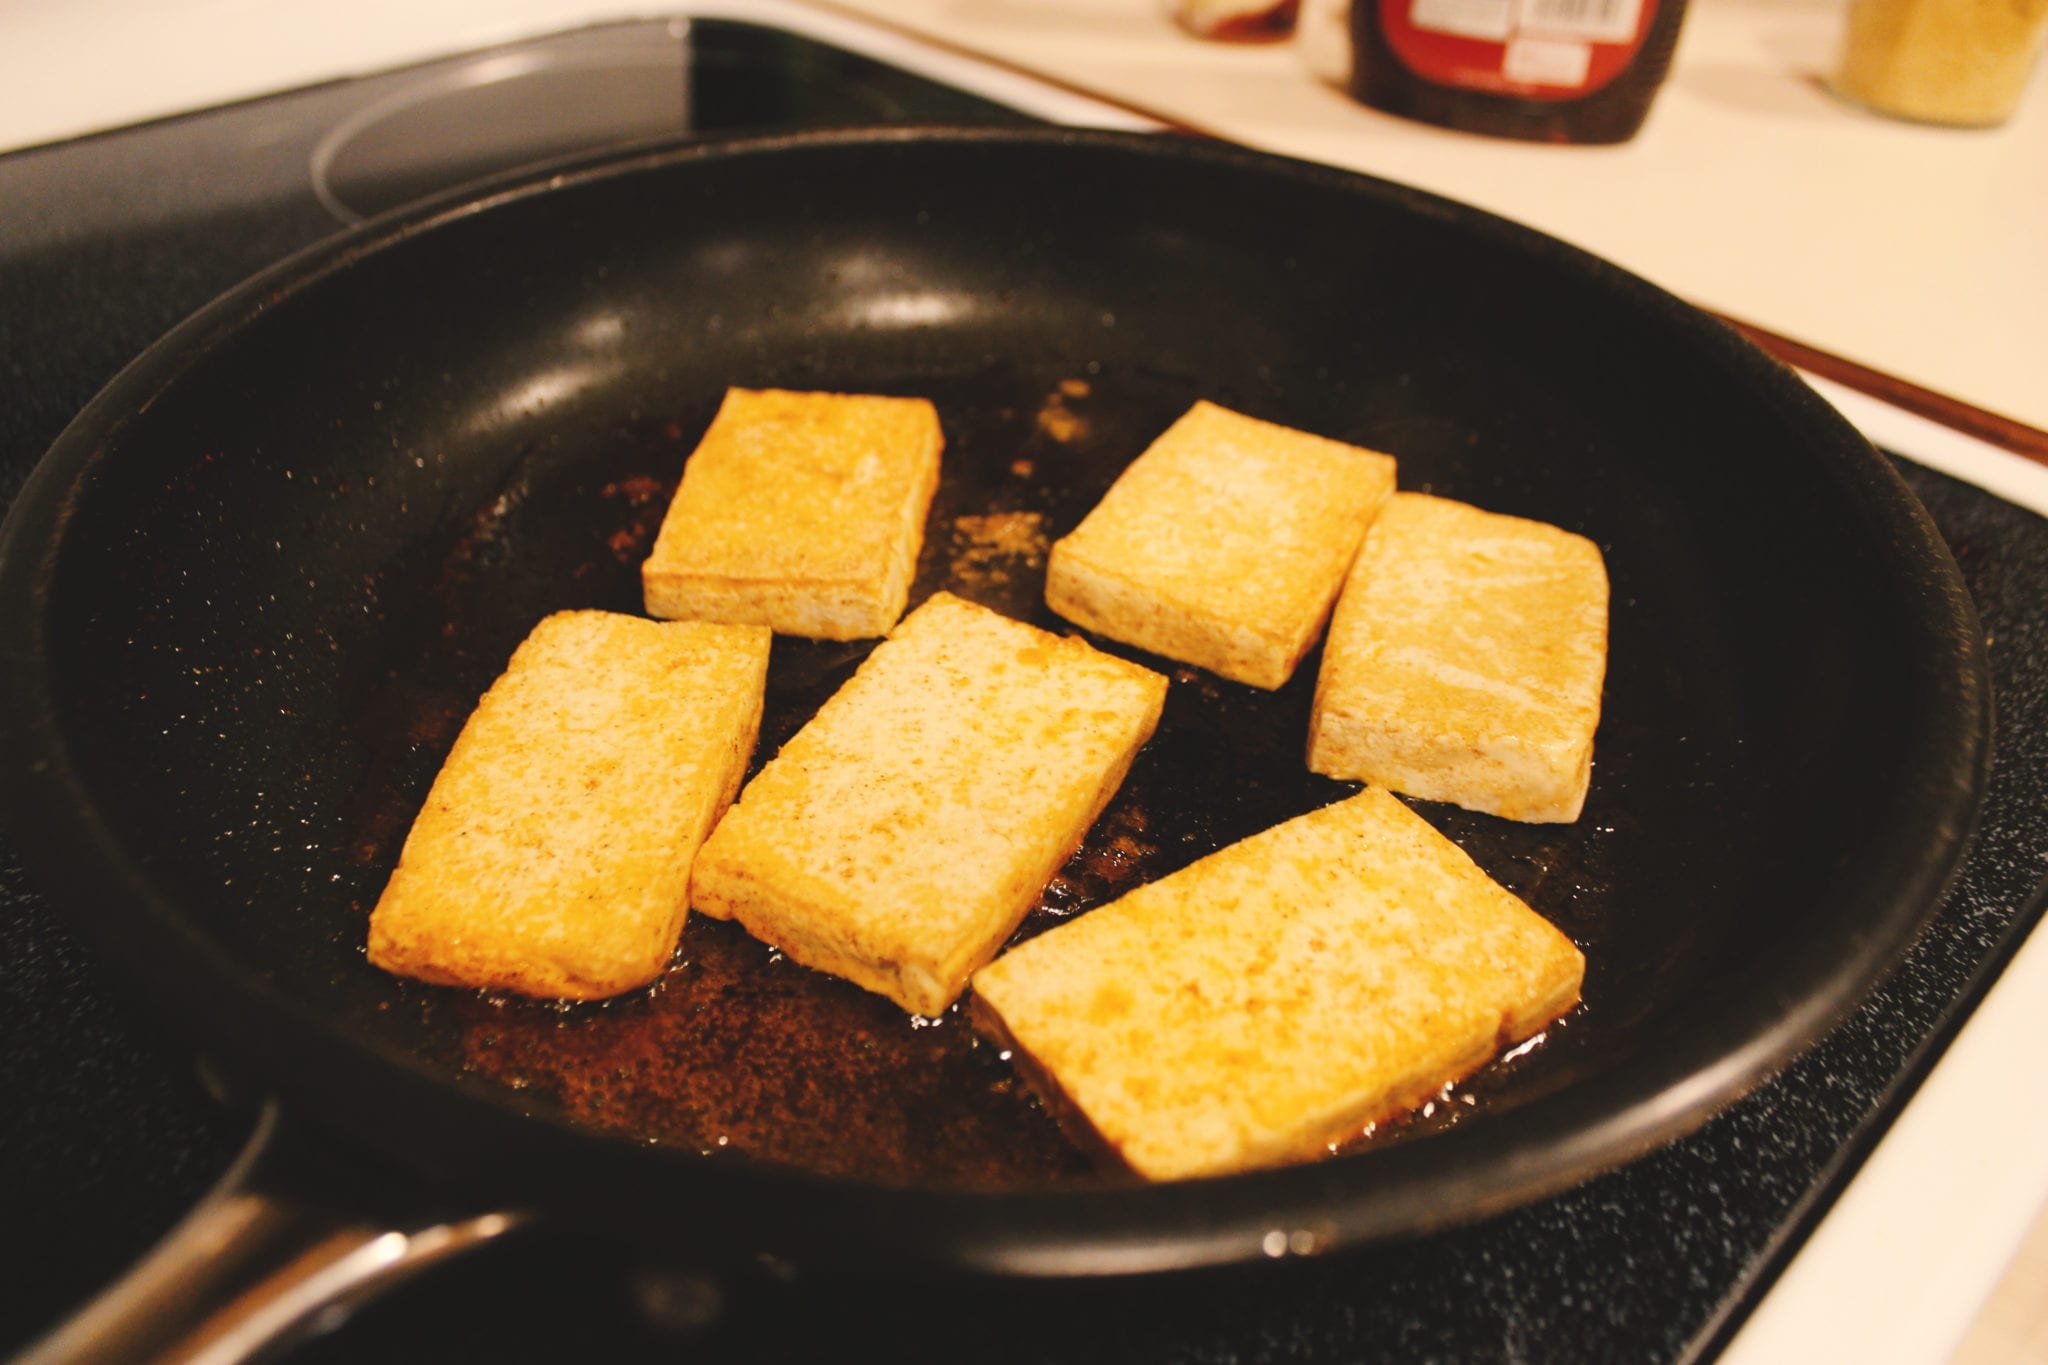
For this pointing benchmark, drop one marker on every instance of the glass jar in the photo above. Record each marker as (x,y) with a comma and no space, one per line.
(1960,62)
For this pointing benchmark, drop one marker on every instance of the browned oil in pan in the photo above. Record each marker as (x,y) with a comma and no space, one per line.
(737,1048)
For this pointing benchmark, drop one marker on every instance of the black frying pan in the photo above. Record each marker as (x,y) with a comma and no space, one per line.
(256,586)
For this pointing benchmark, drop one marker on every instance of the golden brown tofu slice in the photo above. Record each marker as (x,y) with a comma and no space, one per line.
(552,856)
(899,837)
(799,511)
(1278,995)
(1465,661)
(1222,545)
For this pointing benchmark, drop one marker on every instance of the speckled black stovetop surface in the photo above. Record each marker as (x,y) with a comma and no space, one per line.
(106,1135)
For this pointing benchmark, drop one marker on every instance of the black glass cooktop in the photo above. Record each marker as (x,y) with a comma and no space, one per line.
(107,1134)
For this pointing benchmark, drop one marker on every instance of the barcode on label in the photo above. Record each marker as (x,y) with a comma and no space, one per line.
(1599,21)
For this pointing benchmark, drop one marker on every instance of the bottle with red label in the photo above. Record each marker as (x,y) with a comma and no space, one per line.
(1545,70)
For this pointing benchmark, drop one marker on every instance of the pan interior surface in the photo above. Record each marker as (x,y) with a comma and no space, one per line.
(304,534)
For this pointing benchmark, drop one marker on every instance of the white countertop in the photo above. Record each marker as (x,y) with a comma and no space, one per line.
(1919,252)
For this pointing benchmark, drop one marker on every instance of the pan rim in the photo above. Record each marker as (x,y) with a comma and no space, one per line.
(1546,1148)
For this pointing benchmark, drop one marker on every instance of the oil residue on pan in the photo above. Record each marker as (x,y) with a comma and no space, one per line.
(737,1048)
(740,1051)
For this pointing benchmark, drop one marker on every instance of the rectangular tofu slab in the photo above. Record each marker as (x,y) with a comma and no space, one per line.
(1465,661)
(1222,545)
(803,512)
(900,836)
(1279,994)
(552,856)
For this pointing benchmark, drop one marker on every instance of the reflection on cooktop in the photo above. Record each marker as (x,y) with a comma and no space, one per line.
(460,120)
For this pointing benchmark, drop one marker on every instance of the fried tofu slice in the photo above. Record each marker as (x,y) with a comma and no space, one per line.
(900,836)
(803,512)
(552,856)
(1465,662)
(1222,545)
(1278,995)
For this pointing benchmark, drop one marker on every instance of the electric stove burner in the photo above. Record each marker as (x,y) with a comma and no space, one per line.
(461,120)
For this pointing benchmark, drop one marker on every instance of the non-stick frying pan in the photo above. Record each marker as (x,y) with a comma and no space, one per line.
(254,589)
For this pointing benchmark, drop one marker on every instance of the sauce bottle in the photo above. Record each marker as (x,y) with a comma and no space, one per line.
(1542,70)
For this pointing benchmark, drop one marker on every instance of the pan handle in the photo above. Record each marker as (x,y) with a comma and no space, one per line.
(258,1264)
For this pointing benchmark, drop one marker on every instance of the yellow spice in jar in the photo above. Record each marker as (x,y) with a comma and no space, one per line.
(1943,61)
